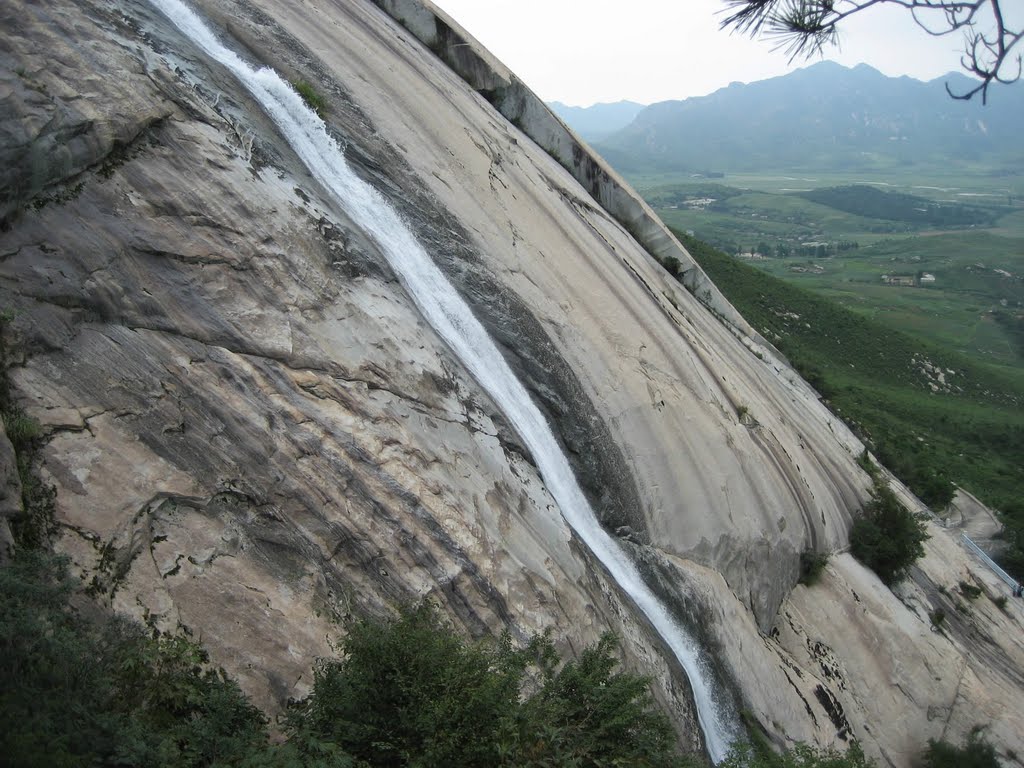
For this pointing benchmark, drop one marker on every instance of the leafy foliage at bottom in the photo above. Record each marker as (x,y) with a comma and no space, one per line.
(80,690)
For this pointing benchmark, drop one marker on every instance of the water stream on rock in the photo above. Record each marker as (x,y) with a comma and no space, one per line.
(453,320)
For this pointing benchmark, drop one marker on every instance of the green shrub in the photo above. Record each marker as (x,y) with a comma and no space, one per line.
(587,714)
(887,538)
(937,618)
(1012,559)
(21,429)
(309,95)
(811,566)
(974,753)
(412,688)
(106,692)
(864,462)
(970,591)
(36,525)
(801,756)
(672,264)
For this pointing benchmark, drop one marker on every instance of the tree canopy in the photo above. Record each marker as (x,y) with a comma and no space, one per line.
(806,27)
(887,537)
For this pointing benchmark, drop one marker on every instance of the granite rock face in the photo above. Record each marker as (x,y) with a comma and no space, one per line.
(254,434)
(10,494)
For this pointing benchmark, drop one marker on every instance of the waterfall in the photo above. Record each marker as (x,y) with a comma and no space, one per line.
(454,322)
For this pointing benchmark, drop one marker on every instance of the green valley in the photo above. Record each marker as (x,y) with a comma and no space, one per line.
(944,265)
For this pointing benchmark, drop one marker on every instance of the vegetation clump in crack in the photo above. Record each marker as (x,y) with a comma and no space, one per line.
(36,524)
(970,591)
(309,95)
(812,565)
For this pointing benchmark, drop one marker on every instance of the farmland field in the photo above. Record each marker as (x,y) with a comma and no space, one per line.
(939,257)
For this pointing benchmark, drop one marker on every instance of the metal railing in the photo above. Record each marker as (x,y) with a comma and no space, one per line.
(1012,582)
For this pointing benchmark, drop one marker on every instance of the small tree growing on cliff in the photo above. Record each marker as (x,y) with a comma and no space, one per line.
(887,538)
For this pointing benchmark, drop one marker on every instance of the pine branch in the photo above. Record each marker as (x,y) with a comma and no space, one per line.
(804,28)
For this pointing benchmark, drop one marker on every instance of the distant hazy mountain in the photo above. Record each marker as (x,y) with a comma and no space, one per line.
(824,117)
(599,121)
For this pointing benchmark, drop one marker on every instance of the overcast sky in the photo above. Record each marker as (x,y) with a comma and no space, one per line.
(581,53)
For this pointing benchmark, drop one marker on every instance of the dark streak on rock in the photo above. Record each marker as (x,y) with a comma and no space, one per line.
(807,705)
(834,709)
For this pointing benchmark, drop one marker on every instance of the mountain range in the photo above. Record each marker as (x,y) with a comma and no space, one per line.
(822,117)
(598,121)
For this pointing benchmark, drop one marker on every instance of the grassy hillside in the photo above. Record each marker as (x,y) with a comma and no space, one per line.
(930,414)
(973,306)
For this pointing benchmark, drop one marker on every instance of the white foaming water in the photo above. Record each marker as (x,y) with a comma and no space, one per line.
(453,320)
